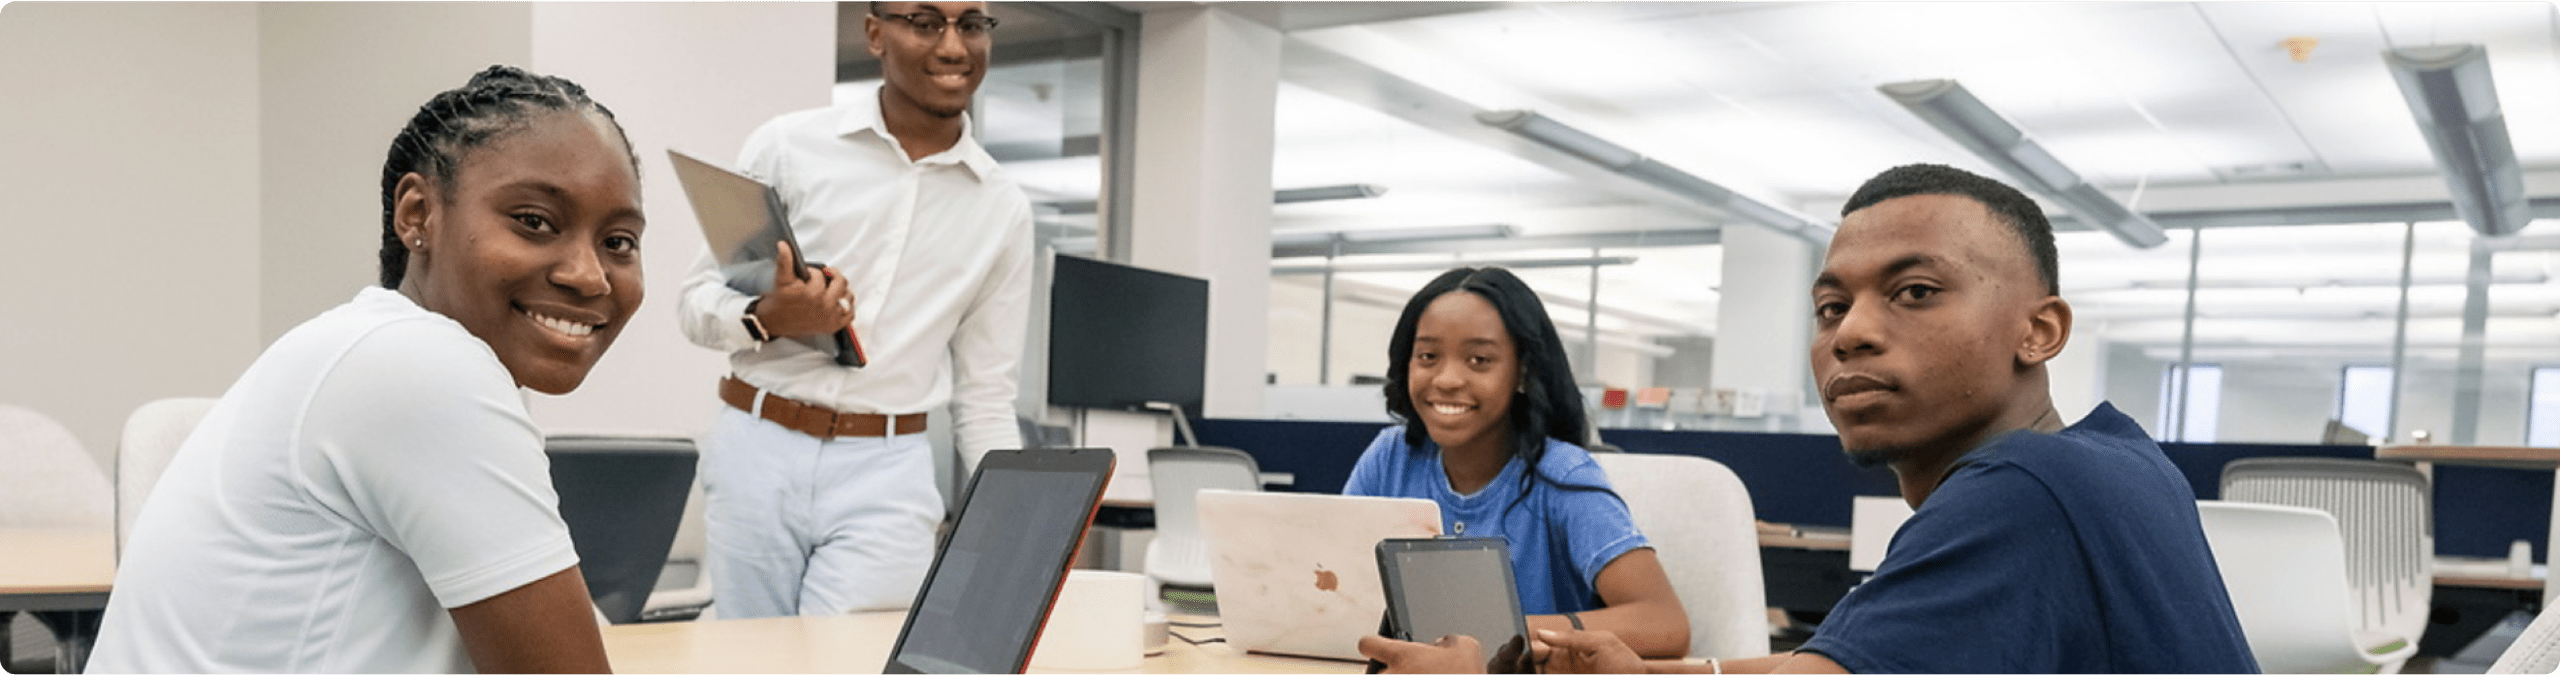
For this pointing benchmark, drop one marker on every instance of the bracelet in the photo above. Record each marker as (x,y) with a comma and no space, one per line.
(1575,618)
(1714,665)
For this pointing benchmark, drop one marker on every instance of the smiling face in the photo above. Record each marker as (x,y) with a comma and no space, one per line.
(534,247)
(935,75)
(1926,329)
(1463,372)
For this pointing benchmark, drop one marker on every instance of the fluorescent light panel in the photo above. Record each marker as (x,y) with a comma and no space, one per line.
(1438,265)
(1632,164)
(1946,105)
(1287,196)
(2449,92)
(1400,234)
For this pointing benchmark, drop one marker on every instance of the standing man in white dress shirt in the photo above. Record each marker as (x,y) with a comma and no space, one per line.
(819,480)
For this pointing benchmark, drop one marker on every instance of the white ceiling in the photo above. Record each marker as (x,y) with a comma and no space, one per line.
(2169,107)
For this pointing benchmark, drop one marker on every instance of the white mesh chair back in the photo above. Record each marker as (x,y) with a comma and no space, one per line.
(1698,515)
(2535,651)
(2286,570)
(1178,554)
(151,437)
(2384,516)
(49,480)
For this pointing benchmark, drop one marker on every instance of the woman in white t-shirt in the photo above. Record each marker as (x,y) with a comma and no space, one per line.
(371,495)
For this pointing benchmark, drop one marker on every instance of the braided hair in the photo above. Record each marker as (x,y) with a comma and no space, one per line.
(497,101)
(1548,403)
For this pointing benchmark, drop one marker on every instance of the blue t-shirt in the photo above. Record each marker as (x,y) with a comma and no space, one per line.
(2071,552)
(1560,538)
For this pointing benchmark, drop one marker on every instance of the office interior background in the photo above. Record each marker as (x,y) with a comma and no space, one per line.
(181,183)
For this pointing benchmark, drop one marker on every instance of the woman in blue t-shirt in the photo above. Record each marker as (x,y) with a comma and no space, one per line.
(1491,416)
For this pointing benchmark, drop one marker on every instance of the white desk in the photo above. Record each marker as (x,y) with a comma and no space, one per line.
(860,643)
(2539,459)
(61,576)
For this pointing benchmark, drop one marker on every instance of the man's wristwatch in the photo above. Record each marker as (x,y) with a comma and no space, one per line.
(755,328)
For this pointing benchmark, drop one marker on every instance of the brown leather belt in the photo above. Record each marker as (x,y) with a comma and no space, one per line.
(817,421)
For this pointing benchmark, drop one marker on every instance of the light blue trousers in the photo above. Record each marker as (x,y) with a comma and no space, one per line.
(799,526)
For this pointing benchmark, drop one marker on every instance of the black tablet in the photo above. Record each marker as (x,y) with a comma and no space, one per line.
(1451,586)
(999,565)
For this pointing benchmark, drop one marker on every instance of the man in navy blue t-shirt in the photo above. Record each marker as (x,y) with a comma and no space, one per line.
(2033,547)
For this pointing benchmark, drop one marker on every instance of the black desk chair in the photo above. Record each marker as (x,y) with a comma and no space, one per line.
(622,497)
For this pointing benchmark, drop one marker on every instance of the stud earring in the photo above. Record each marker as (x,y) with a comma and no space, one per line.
(422,243)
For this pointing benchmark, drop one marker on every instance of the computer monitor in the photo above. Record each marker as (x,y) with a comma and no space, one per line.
(1121,336)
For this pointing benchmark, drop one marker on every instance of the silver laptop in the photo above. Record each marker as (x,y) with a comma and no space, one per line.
(1297,573)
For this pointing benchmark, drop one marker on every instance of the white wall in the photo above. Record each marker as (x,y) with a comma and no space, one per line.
(182,183)
(129,207)
(333,93)
(695,77)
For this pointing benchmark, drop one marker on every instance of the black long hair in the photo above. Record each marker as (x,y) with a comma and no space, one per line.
(1547,405)
(497,101)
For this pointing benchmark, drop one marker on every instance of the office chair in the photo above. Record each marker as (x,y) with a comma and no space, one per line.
(1178,555)
(2382,512)
(683,589)
(1872,522)
(622,497)
(2286,570)
(1698,515)
(151,438)
(50,481)
(2535,651)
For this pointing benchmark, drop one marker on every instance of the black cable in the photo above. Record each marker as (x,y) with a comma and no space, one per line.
(1187,639)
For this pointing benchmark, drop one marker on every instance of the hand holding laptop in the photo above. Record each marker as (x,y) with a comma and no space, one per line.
(816,301)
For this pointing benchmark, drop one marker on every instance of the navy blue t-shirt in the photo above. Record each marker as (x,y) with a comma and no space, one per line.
(2071,552)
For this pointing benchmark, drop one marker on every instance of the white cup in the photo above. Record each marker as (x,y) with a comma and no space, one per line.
(2520,559)
(1098,623)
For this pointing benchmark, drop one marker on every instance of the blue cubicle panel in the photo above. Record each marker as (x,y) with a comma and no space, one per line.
(1798,479)
(1804,479)
(2480,510)
(1319,454)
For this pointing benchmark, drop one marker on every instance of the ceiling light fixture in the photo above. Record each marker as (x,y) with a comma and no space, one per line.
(1295,269)
(1327,193)
(1400,234)
(1618,158)
(2456,105)
(1289,196)
(1955,112)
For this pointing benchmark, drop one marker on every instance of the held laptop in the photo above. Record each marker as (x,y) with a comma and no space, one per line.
(998,567)
(742,218)
(1297,573)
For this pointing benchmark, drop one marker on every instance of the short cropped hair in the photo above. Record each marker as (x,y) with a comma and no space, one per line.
(2007,204)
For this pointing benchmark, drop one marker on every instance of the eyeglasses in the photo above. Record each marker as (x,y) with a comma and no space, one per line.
(930,25)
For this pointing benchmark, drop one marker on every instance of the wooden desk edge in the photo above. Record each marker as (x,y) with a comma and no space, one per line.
(2514,457)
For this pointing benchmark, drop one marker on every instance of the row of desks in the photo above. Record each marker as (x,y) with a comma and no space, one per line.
(63,576)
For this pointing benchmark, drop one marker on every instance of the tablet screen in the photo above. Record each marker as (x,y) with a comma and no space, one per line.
(996,574)
(1440,587)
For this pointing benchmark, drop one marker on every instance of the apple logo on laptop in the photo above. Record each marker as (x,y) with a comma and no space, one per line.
(1326,580)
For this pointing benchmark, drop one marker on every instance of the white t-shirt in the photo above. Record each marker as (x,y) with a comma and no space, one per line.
(374,468)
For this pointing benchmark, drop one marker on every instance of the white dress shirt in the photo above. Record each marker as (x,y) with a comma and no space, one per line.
(938,252)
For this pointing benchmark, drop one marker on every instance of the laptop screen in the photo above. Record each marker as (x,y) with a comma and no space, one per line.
(1000,566)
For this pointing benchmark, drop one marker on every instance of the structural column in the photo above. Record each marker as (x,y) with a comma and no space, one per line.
(1208,80)
(1764,326)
